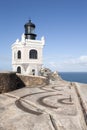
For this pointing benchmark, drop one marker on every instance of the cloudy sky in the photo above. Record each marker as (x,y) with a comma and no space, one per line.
(63,23)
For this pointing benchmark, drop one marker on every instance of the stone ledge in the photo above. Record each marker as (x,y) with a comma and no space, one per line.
(11,81)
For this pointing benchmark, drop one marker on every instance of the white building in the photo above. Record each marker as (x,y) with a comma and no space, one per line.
(27,53)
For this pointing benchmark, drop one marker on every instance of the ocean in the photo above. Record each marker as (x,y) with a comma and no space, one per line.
(80,77)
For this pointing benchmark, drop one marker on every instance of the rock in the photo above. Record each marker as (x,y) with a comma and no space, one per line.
(50,75)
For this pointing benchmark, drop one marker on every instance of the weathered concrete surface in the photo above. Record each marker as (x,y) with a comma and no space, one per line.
(33,81)
(7,81)
(11,81)
(82,92)
(52,107)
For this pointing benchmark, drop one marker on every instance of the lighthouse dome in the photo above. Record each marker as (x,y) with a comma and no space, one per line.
(30,24)
(30,31)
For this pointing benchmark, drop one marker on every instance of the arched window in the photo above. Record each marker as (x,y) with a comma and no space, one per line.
(19,54)
(33,54)
(33,71)
(18,69)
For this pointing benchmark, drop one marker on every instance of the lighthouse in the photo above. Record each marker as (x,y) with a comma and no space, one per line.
(27,53)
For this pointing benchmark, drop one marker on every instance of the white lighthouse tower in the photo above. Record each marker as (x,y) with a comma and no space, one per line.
(27,52)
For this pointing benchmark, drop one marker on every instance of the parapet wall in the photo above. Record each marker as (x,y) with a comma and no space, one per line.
(7,81)
(11,81)
(33,81)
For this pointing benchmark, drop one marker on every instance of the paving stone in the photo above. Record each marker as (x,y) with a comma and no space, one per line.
(53,107)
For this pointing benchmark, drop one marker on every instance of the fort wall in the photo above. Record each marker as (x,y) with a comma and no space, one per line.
(10,81)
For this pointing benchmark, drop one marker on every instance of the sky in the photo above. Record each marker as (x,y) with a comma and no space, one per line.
(63,23)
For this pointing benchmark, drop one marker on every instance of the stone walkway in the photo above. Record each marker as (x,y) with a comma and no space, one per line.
(52,107)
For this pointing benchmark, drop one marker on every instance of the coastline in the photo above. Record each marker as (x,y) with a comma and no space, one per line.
(80,77)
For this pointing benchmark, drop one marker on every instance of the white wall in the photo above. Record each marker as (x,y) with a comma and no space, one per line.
(25,47)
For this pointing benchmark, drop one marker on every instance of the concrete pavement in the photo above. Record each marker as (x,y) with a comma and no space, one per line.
(52,107)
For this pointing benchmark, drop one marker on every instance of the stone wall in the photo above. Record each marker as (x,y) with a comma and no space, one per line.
(11,81)
(32,81)
(7,81)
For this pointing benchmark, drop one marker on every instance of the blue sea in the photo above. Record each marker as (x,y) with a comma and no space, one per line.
(80,77)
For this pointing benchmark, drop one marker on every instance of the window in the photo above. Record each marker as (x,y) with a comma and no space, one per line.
(33,71)
(19,55)
(18,69)
(33,54)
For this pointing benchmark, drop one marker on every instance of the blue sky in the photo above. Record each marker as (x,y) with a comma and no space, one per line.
(63,23)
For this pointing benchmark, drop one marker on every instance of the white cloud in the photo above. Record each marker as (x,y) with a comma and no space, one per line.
(83,58)
(69,64)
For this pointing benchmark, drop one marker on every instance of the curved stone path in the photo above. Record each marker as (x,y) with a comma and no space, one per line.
(52,107)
